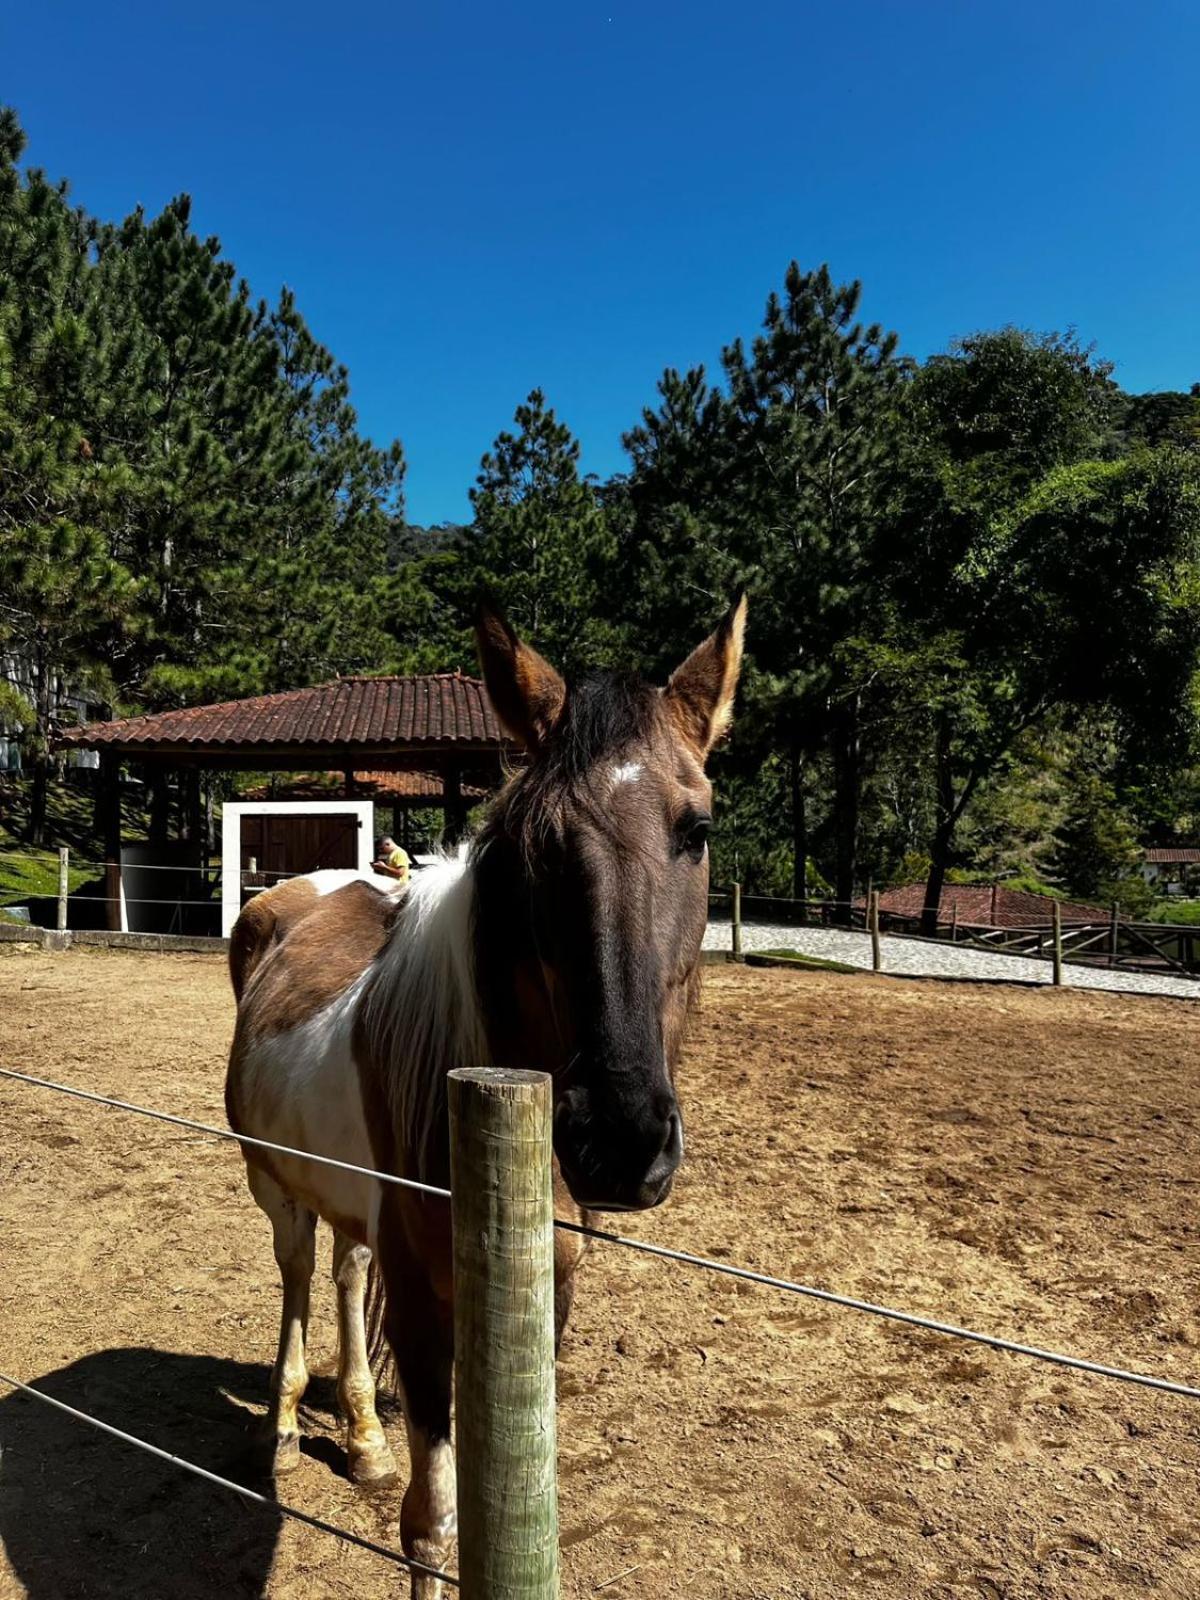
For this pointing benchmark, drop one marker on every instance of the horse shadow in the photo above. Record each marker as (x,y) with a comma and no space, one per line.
(87,1517)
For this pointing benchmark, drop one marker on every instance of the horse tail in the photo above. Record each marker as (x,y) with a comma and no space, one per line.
(379,1351)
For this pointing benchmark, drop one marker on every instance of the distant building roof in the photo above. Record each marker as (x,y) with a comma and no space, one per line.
(1172,855)
(987,905)
(377,718)
(413,788)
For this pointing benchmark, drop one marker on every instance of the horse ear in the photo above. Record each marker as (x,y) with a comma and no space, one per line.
(699,695)
(524,689)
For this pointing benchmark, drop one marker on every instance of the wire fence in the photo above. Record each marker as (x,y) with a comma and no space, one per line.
(663,1252)
(46,859)
(1098,940)
(204,895)
(291,1512)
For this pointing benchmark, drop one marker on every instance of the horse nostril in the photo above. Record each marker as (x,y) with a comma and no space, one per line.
(673,1144)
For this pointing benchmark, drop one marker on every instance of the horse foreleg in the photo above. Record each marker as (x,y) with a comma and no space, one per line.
(369,1456)
(295,1251)
(419,1331)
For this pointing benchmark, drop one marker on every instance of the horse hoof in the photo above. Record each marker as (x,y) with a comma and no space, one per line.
(373,1468)
(285,1454)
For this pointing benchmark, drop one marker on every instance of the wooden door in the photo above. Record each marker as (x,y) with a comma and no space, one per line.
(285,845)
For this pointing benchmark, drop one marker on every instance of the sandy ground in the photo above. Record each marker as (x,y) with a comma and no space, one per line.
(1020,1161)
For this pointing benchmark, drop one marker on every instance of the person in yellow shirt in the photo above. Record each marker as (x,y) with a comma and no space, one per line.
(391,861)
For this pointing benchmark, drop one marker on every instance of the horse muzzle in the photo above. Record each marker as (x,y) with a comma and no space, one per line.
(609,1166)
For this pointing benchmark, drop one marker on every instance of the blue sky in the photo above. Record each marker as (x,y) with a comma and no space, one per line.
(470,199)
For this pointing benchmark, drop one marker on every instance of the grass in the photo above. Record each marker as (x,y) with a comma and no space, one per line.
(1185,913)
(26,873)
(793,958)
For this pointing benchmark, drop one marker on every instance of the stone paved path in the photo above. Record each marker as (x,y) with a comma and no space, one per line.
(923,959)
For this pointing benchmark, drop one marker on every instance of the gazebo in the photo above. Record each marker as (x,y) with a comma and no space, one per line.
(431,740)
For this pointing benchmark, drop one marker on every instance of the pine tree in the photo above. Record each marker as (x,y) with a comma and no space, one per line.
(63,595)
(815,403)
(781,482)
(539,541)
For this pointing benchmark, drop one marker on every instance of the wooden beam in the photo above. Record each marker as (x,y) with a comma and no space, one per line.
(110,805)
(454,810)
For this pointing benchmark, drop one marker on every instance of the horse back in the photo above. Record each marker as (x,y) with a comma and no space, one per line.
(302,948)
(356,906)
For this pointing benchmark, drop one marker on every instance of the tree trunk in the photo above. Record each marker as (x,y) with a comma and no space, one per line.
(192,806)
(160,804)
(847,783)
(209,835)
(936,881)
(40,786)
(799,823)
(943,833)
(38,797)
(99,800)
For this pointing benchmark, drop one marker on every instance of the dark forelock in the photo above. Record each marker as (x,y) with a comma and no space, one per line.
(604,713)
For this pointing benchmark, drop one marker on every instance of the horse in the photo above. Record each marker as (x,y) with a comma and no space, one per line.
(565,936)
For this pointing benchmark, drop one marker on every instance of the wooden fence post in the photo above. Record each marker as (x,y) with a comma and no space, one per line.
(63,859)
(1114,932)
(876,949)
(500,1129)
(736,924)
(954,923)
(1058,955)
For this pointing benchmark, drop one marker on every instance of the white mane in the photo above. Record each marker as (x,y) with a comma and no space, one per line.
(421,1009)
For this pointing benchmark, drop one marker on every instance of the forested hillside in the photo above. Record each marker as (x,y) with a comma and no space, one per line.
(974,582)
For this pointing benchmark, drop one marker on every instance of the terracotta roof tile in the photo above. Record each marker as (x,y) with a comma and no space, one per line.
(985,905)
(440,709)
(424,787)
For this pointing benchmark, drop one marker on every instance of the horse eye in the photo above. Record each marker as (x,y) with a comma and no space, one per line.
(696,836)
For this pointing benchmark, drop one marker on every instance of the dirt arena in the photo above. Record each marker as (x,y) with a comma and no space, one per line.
(1020,1161)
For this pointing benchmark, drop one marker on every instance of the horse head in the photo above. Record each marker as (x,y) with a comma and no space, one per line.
(592,883)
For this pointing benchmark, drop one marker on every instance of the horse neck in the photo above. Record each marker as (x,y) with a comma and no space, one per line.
(422,1013)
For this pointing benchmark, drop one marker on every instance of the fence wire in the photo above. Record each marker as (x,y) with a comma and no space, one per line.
(291,1512)
(846,1302)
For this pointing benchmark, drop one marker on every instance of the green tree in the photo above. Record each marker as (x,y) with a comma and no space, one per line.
(540,541)
(187,506)
(782,481)
(63,594)
(1086,593)
(1096,854)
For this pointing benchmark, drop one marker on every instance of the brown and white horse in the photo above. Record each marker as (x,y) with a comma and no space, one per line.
(565,937)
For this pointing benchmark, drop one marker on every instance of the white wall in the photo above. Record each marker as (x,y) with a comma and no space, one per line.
(231,840)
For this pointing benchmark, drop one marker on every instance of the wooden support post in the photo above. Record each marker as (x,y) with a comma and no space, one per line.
(737,922)
(503,1210)
(110,801)
(1058,955)
(454,811)
(1114,932)
(954,923)
(64,856)
(876,947)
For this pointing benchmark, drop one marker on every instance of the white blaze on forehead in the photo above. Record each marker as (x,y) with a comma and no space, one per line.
(627,772)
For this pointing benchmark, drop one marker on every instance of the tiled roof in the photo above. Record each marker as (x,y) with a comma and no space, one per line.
(987,905)
(1170,856)
(386,786)
(439,710)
